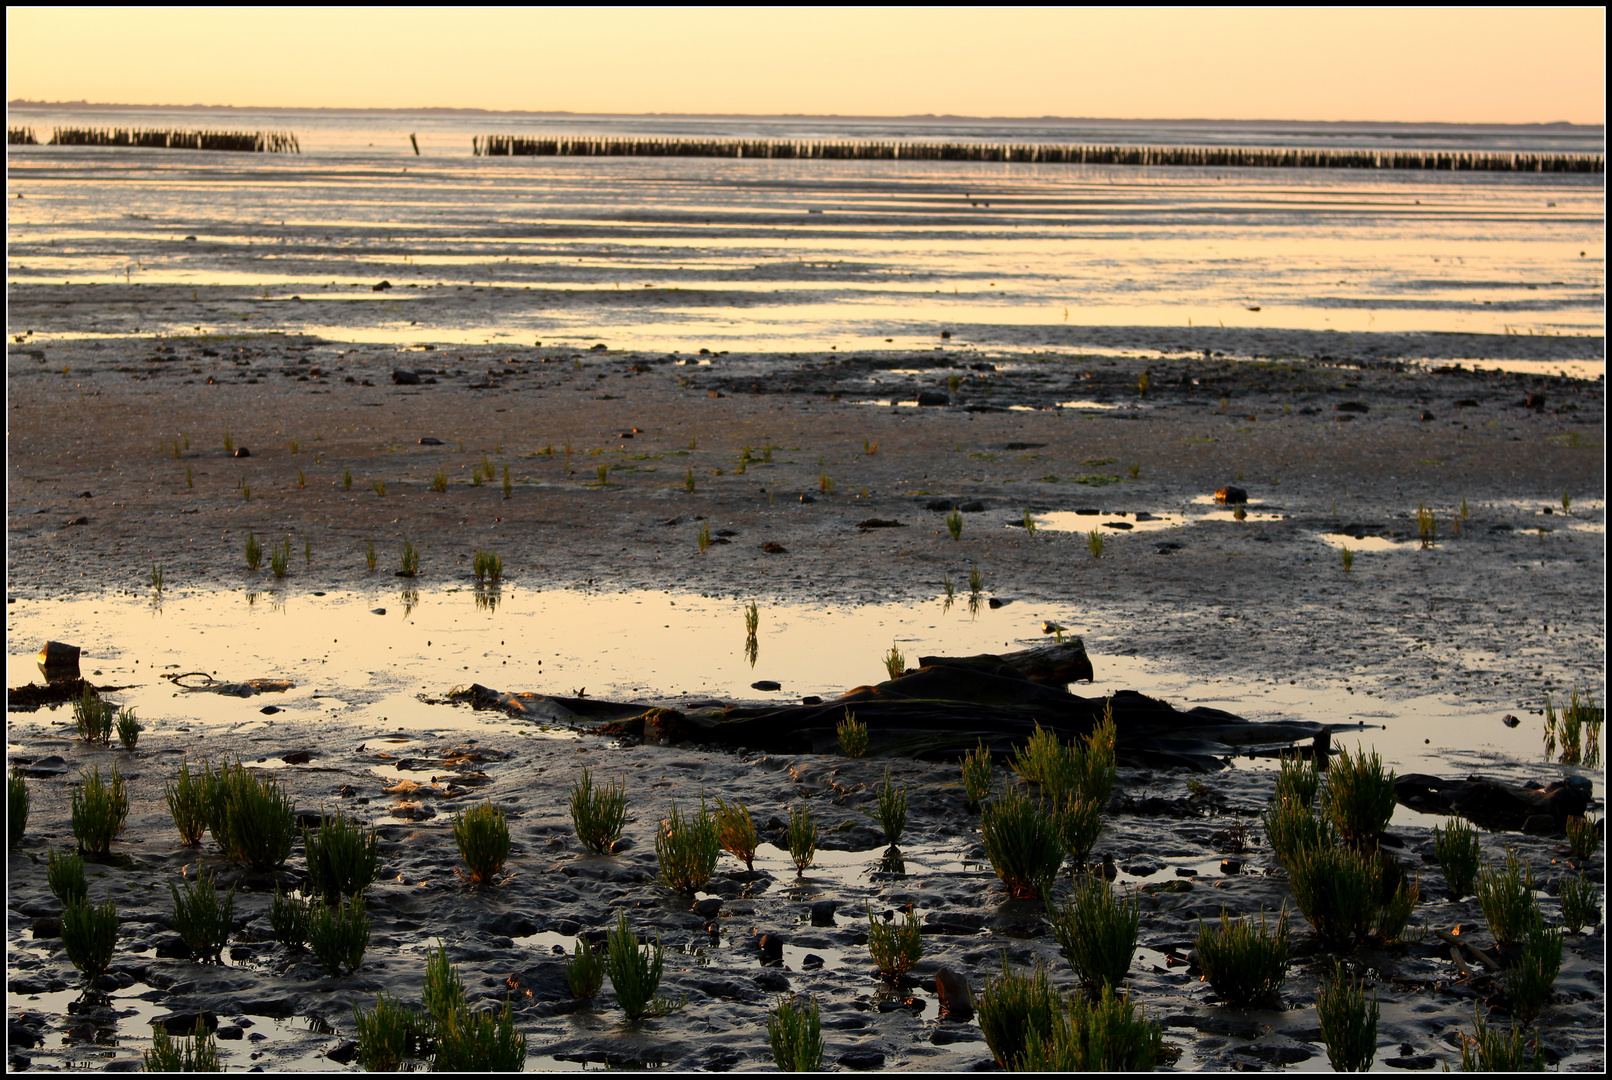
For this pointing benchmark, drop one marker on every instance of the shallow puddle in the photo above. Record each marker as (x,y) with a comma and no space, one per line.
(1363,543)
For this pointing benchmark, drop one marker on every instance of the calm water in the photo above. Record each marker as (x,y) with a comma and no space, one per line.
(681,253)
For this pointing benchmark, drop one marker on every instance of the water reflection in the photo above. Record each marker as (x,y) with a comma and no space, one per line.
(891,862)
(486,598)
(411,599)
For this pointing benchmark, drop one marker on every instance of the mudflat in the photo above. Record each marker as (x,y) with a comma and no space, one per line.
(615,461)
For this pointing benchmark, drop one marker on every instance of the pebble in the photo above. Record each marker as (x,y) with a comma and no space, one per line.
(766,684)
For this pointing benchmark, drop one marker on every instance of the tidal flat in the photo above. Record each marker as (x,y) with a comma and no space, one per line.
(617,460)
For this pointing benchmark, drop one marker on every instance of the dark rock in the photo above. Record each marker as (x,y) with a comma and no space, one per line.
(973,506)
(863,1059)
(21,1062)
(1466,403)
(18,1035)
(269,710)
(380,286)
(128,1064)
(940,505)
(297,757)
(1417,1061)
(947,1036)
(1535,402)
(1352,407)
(241,451)
(58,661)
(1229,494)
(344,1052)
(772,980)
(183,1023)
(823,912)
(881,523)
(772,547)
(1539,825)
(46,767)
(1278,1054)
(772,948)
(811,700)
(402,377)
(995,602)
(229,1032)
(47,927)
(1509,720)
(708,908)
(172,948)
(933,397)
(811,962)
(766,684)
(428,441)
(1490,803)
(956,1001)
(1427,415)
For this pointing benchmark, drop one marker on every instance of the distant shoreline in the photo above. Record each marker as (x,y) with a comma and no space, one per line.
(1272,125)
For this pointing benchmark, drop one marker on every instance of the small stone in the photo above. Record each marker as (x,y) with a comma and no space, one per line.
(1229,494)
(862,1060)
(380,286)
(428,441)
(269,710)
(47,927)
(1352,407)
(241,451)
(772,948)
(772,547)
(403,377)
(709,907)
(956,1002)
(1509,720)
(775,981)
(811,962)
(1185,871)
(229,1031)
(811,699)
(377,611)
(766,684)
(1428,416)
(930,398)
(344,1053)
(823,912)
(297,757)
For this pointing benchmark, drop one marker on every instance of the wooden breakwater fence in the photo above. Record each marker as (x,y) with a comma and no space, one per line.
(245,142)
(1037,153)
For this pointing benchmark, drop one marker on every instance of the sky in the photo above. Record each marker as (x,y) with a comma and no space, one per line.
(1452,65)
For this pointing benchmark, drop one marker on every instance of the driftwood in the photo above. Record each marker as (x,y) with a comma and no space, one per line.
(944,708)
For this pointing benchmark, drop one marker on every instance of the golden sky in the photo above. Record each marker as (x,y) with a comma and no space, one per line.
(1497,65)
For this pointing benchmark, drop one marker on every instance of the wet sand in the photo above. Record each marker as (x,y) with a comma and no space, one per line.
(1507,604)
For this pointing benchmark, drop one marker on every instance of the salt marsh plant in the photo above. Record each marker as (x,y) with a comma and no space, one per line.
(1582,837)
(475,478)
(1134,469)
(64,873)
(1348,1024)
(128,729)
(802,837)
(1579,728)
(347,479)
(825,483)
(288,920)
(488,565)
(1028,522)
(584,971)
(1080,823)
(482,835)
(409,564)
(598,815)
(100,810)
(190,477)
(17,803)
(369,556)
(246,491)
(302,479)
(1298,779)
(156,578)
(1579,908)
(979,775)
(688,480)
(254,552)
(1293,828)
(895,664)
(1530,979)
(229,442)
(891,813)
(795,1033)
(1105,1035)
(444,991)
(251,817)
(604,475)
(895,947)
(635,973)
(188,801)
(307,552)
(1426,525)
(1493,1052)
(853,735)
(385,1034)
(89,935)
(1024,843)
(479,1042)
(1094,544)
(93,717)
(1507,899)
(703,537)
(1340,892)
(439,482)
(1012,1005)
(951,591)
(1243,962)
(280,558)
(736,832)
(1348,559)
(201,918)
(1359,796)
(1459,853)
(1096,932)
(752,619)
(954,524)
(343,859)
(1567,502)
(193,1053)
(687,849)
(869,447)
(338,935)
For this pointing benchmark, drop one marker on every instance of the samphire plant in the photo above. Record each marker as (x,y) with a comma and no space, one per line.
(100,810)
(598,814)
(343,860)
(188,801)
(853,735)
(1097,932)
(17,804)
(1024,843)
(1348,1023)
(736,832)
(202,919)
(687,849)
(1244,963)
(895,947)
(482,835)
(635,973)
(794,1031)
(193,1053)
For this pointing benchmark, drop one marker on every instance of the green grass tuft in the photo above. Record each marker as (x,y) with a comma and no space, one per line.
(1460,855)
(1579,908)
(288,920)
(343,860)
(1024,843)
(895,947)
(687,849)
(64,873)
(895,663)
(17,804)
(584,971)
(189,799)
(339,935)
(598,815)
(802,837)
(1106,1035)
(853,735)
(90,936)
(1493,1052)
(1348,1024)
(482,835)
(251,817)
(954,524)
(795,1033)
(1245,963)
(979,775)
(201,918)
(1507,899)
(386,1034)
(93,716)
(196,1052)
(1530,979)
(1097,932)
(736,832)
(100,810)
(254,552)
(635,973)
(1359,796)
(891,813)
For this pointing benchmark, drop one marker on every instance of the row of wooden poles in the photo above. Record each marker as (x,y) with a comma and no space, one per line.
(1038,153)
(249,142)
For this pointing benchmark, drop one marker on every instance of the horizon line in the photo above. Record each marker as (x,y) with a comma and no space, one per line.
(911,117)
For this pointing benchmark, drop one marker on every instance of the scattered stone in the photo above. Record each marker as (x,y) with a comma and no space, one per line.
(863,1060)
(402,377)
(939,505)
(269,710)
(995,602)
(229,1032)
(46,927)
(709,907)
(428,441)
(344,1053)
(973,506)
(1230,495)
(805,498)
(377,611)
(18,1035)
(812,699)
(823,912)
(1351,407)
(775,981)
(1535,402)
(766,684)
(1416,1061)
(811,962)
(930,398)
(1428,416)
(772,547)
(772,948)
(183,1023)
(1509,720)
(380,286)
(172,948)
(881,523)
(241,451)
(297,757)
